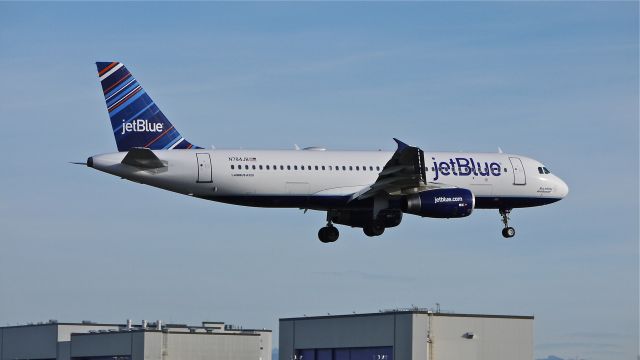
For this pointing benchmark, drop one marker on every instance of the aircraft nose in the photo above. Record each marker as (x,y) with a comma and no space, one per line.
(562,188)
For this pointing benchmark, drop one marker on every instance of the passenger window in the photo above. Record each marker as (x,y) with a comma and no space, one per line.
(231,167)
(295,167)
(330,167)
(505,169)
(337,167)
(246,167)
(323,167)
(268,167)
(357,168)
(288,167)
(253,167)
(260,167)
(350,168)
(377,168)
(344,167)
(370,168)
(301,167)
(281,167)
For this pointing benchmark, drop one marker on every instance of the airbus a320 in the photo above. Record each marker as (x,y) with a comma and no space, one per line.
(371,190)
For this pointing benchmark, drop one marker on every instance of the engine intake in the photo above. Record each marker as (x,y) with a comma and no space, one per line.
(440,203)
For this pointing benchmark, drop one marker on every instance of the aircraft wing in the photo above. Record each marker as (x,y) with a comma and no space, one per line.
(403,173)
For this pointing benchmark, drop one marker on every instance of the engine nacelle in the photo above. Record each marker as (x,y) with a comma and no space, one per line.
(440,203)
(387,217)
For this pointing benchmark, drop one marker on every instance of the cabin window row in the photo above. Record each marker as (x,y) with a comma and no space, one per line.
(324,167)
(306,167)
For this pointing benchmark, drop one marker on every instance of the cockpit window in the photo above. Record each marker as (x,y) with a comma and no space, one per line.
(540,170)
(546,171)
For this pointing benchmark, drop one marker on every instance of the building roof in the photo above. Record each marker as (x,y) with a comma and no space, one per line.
(404,312)
(55,323)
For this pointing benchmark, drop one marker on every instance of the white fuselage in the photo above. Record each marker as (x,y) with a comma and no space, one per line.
(319,179)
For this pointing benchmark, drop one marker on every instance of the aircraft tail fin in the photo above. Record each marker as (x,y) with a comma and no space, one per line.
(136,120)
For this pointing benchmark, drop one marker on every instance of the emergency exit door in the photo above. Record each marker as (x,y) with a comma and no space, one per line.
(204,168)
(519,177)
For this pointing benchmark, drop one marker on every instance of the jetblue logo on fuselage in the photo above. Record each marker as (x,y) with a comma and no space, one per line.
(465,167)
(141,125)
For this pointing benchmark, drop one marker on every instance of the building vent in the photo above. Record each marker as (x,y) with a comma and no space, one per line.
(470,335)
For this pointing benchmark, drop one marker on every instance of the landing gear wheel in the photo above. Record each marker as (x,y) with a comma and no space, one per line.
(508,232)
(373,230)
(328,234)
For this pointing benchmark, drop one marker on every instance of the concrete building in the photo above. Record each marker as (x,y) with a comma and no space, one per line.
(407,335)
(88,341)
(51,340)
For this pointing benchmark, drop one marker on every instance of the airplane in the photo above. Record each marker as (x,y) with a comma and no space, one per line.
(371,190)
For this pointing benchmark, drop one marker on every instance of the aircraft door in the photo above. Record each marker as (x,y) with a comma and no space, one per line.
(519,176)
(204,168)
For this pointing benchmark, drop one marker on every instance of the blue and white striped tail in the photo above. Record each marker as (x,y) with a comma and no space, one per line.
(135,118)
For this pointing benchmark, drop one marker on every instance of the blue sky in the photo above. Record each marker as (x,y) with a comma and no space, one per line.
(554,81)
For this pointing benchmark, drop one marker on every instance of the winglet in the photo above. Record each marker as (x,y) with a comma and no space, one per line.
(401,145)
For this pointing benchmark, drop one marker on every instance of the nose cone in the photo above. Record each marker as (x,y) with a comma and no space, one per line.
(562,189)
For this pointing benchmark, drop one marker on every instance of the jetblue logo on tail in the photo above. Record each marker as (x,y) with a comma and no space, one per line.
(141,125)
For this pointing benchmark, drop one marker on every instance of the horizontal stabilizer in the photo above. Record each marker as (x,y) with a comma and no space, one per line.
(142,158)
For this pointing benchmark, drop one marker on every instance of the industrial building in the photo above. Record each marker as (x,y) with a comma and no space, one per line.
(91,341)
(410,334)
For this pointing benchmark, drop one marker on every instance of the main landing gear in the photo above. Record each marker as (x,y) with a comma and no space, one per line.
(508,231)
(375,228)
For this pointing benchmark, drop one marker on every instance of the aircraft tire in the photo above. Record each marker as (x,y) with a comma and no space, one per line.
(508,232)
(373,230)
(328,234)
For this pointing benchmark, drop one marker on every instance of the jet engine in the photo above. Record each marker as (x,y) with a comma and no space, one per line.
(440,203)
(386,218)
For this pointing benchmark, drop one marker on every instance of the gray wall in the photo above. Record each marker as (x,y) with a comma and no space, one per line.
(156,345)
(266,340)
(107,344)
(496,338)
(212,346)
(345,332)
(35,342)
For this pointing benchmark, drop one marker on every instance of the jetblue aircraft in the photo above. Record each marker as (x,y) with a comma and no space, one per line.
(371,190)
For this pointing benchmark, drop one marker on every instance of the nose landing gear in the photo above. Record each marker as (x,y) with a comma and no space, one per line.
(508,231)
(328,233)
